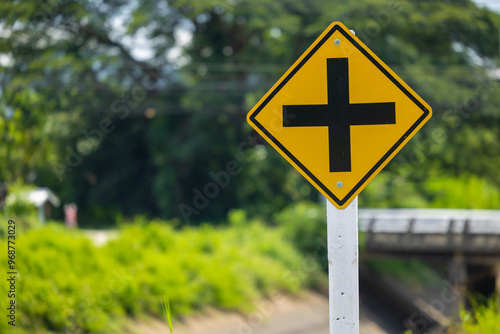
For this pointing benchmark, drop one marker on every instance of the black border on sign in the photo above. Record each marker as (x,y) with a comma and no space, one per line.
(425,111)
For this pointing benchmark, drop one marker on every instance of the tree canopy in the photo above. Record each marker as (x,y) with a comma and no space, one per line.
(129,107)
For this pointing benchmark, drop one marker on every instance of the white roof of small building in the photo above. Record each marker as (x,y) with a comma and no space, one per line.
(40,196)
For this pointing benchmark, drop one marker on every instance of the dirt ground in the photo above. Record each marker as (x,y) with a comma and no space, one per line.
(307,314)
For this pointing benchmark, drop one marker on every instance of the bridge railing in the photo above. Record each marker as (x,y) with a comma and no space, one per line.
(431,230)
(429,221)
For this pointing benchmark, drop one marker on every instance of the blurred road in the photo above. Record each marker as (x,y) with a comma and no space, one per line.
(305,315)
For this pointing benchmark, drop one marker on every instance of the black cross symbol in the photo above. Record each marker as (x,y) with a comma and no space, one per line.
(339,115)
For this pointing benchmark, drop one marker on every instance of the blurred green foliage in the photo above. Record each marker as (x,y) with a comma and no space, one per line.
(413,273)
(66,284)
(18,208)
(484,318)
(468,191)
(24,222)
(127,109)
(304,224)
(437,191)
(16,202)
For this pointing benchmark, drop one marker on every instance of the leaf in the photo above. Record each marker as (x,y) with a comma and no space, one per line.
(168,315)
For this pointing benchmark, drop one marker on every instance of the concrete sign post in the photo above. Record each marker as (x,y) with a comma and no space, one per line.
(343,267)
(339,115)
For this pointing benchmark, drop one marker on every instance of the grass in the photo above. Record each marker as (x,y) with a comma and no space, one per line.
(168,314)
(483,318)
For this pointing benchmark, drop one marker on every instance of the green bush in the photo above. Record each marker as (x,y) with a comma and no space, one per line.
(19,209)
(59,286)
(66,284)
(304,224)
(24,222)
(465,192)
(437,191)
(413,273)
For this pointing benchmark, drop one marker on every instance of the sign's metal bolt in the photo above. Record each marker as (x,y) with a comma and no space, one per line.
(340,184)
(337,42)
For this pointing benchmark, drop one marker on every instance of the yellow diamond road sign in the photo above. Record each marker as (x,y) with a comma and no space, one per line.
(339,115)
